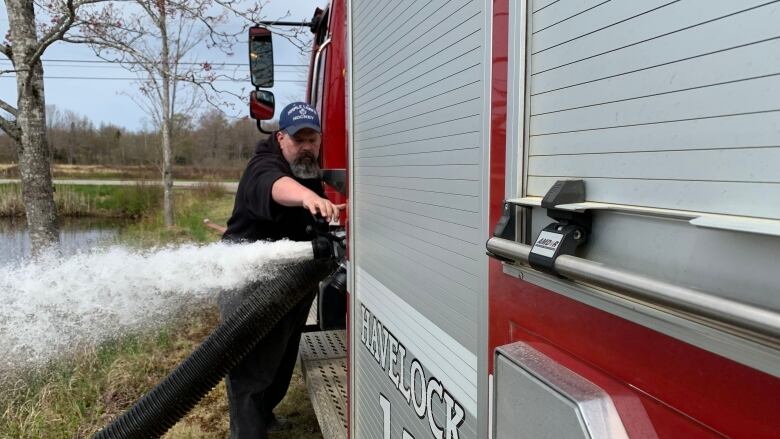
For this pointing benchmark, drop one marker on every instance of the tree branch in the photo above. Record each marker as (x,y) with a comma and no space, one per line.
(54,34)
(8,108)
(57,32)
(10,128)
(125,50)
(6,50)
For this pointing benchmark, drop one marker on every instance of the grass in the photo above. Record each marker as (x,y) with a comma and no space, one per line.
(135,201)
(133,172)
(191,206)
(74,397)
(77,396)
(132,201)
(122,201)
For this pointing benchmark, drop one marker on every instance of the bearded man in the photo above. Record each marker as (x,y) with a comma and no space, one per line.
(278,197)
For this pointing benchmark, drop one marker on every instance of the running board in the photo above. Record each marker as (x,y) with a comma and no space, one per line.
(323,357)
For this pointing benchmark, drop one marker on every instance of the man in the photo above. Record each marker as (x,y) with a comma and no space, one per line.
(277,198)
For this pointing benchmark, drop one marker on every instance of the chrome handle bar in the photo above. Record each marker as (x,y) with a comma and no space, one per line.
(314,90)
(732,316)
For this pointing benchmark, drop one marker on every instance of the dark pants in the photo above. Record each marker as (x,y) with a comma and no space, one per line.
(259,382)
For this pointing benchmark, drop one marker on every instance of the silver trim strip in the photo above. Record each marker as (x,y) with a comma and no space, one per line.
(352,336)
(516,99)
(483,322)
(747,321)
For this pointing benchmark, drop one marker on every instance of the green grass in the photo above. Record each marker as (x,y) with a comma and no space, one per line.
(77,396)
(121,201)
(191,206)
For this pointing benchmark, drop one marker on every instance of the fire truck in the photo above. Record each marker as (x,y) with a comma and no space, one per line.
(563,217)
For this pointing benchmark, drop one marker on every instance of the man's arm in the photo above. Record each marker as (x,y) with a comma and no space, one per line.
(289,192)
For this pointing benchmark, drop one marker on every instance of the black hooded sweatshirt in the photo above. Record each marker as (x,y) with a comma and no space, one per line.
(256,216)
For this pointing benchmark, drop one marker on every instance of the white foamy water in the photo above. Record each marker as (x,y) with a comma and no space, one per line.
(54,305)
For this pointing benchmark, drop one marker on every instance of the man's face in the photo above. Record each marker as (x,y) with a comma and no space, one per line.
(301,151)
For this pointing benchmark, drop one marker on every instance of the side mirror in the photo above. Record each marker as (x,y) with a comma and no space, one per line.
(261,57)
(262,105)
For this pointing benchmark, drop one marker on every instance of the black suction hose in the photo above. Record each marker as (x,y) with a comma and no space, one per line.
(185,386)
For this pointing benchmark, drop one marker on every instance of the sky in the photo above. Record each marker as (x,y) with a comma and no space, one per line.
(106,101)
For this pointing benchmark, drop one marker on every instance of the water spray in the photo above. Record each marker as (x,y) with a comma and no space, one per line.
(54,305)
(265,305)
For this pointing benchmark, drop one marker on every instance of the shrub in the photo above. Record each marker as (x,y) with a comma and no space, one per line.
(11,200)
(208,190)
(138,200)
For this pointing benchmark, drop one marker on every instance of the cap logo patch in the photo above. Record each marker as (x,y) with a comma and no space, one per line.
(297,115)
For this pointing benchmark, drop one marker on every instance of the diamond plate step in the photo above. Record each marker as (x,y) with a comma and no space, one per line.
(323,345)
(323,357)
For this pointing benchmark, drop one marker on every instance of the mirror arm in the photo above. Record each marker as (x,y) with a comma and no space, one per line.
(262,130)
(284,23)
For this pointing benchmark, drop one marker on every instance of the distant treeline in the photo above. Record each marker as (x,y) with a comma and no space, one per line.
(209,140)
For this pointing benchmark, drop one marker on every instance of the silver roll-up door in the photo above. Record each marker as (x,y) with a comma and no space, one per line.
(418,172)
(664,104)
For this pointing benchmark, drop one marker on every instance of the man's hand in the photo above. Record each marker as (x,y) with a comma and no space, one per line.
(289,192)
(322,206)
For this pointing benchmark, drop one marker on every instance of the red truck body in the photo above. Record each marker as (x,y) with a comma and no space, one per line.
(660,385)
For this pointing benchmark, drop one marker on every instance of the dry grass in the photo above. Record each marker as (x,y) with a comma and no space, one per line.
(132,172)
(69,202)
(77,396)
(131,201)
(11,200)
(84,171)
(209,190)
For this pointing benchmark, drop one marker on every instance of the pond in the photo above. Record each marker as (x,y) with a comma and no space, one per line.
(75,234)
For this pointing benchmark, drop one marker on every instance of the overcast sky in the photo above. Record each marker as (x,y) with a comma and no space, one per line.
(104,100)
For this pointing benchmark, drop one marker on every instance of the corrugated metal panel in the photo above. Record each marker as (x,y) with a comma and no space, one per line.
(538,5)
(417,171)
(418,158)
(662,103)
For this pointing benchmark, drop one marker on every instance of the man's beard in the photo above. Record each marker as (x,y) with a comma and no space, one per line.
(305,166)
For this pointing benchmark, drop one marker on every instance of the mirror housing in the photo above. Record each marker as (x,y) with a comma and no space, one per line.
(262,105)
(261,57)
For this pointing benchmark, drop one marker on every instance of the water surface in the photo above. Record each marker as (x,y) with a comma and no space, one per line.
(75,235)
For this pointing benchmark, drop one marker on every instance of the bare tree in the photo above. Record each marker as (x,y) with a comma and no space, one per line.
(151,39)
(252,12)
(34,27)
(215,130)
(160,41)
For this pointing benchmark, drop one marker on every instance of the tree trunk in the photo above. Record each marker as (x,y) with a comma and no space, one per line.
(167,166)
(32,148)
(167,172)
